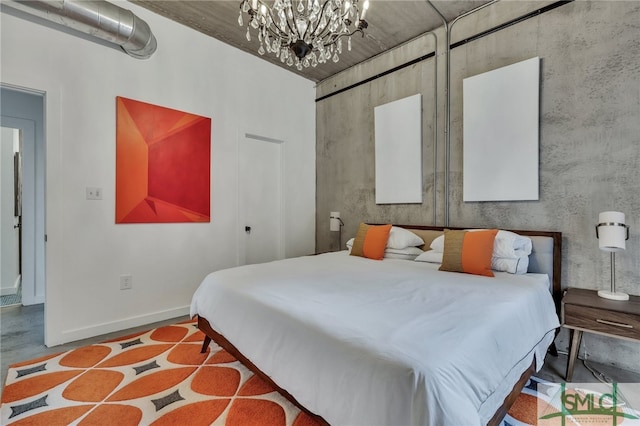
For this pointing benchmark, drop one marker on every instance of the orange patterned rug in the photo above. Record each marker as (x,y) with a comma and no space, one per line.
(557,404)
(158,377)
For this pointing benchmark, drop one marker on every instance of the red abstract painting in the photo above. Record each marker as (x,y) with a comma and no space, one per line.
(163,164)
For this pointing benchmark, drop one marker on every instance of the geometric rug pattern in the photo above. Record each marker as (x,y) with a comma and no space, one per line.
(158,377)
(524,410)
(555,404)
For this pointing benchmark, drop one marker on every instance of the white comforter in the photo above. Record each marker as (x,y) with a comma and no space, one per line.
(392,342)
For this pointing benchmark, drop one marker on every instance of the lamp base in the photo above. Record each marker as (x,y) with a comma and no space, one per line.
(613,295)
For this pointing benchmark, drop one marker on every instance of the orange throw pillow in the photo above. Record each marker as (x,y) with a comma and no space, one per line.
(468,252)
(371,241)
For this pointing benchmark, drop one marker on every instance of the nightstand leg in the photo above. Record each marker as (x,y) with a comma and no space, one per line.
(574,348)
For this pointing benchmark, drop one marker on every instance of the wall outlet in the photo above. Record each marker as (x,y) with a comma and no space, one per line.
(126,282)
(94,193)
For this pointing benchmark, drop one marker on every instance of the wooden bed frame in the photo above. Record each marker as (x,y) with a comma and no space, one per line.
(211,334)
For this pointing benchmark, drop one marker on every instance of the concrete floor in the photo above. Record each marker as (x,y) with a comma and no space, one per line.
(23,336)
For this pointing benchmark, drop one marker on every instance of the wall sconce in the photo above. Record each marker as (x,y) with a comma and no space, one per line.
(336,224)
(612,233)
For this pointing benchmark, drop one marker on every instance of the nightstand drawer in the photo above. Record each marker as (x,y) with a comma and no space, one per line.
(603,321)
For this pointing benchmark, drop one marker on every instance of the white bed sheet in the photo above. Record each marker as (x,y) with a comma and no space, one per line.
(392,342)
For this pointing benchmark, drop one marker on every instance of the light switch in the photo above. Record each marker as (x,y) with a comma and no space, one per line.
(94,193)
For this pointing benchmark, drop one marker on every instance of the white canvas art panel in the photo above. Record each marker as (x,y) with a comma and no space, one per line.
(501,125)
(398,151)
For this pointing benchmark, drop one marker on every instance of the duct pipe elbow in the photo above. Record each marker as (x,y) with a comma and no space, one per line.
(113,23)
(142,43)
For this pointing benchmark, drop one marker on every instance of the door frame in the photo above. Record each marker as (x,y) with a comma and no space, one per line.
(33,215)
(241,219)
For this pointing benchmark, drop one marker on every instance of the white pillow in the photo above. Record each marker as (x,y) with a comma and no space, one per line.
(400,238)
(430,256)
(408,253)
(350,243)
(507,244)
(517,265)
(511,245)
(511,265)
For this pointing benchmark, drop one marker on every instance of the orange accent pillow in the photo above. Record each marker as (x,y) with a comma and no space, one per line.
(468,252)
(371,241)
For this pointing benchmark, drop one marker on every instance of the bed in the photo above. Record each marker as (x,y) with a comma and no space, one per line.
(354,341)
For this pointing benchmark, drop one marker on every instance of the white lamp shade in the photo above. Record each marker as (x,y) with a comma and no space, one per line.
(612,231)
(334,221)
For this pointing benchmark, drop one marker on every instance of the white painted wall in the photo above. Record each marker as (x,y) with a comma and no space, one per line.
(86,251)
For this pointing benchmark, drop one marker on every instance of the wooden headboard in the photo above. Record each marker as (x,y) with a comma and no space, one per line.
(546,256)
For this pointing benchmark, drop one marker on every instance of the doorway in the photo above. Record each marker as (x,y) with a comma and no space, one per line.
(260,199)
(23,118)
(10,216)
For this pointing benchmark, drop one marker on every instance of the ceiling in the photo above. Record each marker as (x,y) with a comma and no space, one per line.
(391,23)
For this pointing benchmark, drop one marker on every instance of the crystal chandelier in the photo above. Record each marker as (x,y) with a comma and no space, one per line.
(304,32)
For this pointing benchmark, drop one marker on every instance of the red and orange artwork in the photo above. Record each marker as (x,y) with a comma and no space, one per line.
(163,164)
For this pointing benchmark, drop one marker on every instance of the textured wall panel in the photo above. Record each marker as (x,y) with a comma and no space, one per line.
(589,127)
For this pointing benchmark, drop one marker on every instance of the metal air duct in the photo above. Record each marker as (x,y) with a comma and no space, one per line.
(97,18)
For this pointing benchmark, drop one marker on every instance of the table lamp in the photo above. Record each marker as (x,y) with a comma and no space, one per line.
(612,233)
(336,224)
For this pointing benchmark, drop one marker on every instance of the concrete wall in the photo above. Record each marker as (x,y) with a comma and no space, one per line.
(86,251)
(345,141)
(589,122)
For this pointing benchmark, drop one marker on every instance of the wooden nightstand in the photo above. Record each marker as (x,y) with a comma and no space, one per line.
(584,310)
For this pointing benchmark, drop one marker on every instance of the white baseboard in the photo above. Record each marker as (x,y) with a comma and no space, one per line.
(8,291)
(120,325)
